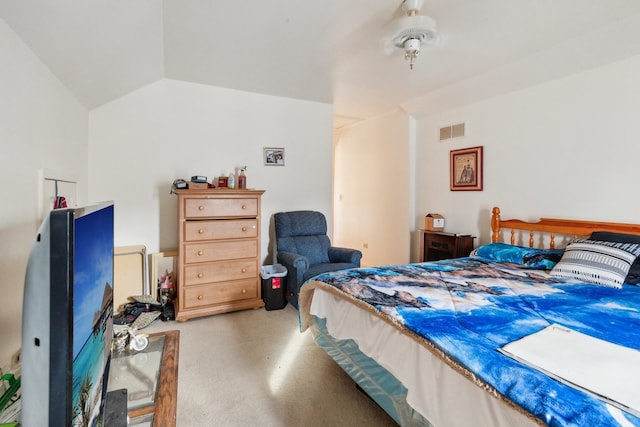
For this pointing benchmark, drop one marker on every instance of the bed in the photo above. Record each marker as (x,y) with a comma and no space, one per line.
(541,330)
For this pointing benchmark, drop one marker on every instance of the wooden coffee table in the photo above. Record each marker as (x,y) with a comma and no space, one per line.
(151,379)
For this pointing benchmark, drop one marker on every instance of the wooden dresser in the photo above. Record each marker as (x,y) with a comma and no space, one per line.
(219,251)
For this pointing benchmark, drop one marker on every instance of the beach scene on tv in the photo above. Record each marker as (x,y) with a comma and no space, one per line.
(92,323)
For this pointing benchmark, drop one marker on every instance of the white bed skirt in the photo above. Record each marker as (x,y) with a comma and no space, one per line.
(435,390)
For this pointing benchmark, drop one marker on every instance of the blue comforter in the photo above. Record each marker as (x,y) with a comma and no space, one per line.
(468,308)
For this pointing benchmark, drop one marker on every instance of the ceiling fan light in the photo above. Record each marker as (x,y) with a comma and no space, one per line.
(413,30)
(412,46)
(411,50)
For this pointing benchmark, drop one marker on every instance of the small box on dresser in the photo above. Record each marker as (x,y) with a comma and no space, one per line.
(434,222)
(219,251)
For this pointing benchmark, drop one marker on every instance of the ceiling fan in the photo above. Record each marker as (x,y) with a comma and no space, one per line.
(413,31)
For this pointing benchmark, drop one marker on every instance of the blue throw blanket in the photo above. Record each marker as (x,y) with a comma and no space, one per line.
(470,307)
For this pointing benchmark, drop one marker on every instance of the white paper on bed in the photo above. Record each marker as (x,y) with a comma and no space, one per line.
(603,369)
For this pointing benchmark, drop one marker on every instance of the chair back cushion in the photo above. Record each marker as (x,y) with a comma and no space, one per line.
(303,233)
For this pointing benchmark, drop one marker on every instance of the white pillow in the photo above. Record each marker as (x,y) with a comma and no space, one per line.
(599,262)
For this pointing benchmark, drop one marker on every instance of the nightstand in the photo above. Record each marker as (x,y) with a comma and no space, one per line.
(436,245)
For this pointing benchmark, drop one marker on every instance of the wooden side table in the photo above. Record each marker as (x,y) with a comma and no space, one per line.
(437,245)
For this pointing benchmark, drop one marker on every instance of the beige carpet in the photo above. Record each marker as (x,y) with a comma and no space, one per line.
(254,368)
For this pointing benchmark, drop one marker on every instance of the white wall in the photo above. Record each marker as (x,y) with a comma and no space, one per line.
(373,190)
(171,129)
(567,148)
(41,127)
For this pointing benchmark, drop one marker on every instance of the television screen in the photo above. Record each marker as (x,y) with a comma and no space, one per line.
(68,318)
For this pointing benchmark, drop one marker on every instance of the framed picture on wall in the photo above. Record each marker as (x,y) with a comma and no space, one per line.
(466,169)
(273,156)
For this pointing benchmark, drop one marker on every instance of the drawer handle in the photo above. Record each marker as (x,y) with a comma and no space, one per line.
(200,253)
(200,208)
(244,228)
(244,207)
(200,231)
(200,296)
(244,270)
(244,291)
(200,275)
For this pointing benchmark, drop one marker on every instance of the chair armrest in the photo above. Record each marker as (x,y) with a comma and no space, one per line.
(296,265)
(296,261)
(351,256)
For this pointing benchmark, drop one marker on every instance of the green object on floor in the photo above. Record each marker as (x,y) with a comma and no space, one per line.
(14,385)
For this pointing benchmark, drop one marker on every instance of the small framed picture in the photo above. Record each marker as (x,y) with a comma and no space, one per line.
(466,169)
(273,156)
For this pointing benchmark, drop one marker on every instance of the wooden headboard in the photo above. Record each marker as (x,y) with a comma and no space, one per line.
(554,226)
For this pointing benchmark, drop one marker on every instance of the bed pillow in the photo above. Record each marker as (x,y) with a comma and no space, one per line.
(633,277)
(596,261)
(543,259)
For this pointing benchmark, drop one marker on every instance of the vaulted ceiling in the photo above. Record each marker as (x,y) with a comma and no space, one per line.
(330,51)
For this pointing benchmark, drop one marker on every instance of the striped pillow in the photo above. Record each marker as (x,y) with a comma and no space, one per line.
(595,261)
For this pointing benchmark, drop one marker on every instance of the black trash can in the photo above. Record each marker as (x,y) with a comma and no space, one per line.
(274,285)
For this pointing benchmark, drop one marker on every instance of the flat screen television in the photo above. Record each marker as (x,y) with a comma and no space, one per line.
(67,319)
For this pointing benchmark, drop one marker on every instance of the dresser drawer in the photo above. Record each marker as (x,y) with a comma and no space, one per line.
(196,274)
(442,243)
(220,250)
(220,229)
(220,207)
(199,296)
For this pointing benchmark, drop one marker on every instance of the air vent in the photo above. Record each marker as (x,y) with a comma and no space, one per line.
(445,133)
(453,131)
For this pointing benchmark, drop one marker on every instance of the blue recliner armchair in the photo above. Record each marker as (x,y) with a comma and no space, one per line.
(305,249)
